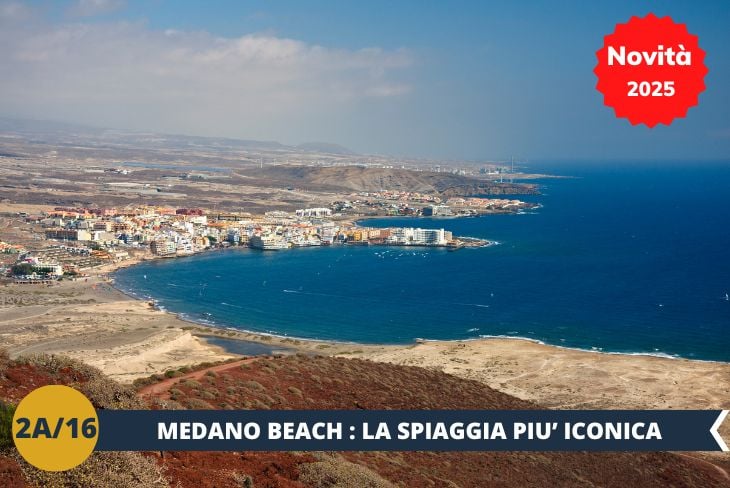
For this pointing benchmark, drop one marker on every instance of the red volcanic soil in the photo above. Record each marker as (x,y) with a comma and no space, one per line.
(305,382)
(10,474)
(219,469)
(20,379)
(161,389)
(16,381)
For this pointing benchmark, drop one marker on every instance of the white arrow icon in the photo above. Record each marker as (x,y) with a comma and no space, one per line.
(715,434)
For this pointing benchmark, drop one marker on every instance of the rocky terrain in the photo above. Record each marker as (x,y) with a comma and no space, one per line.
(360,178)
(297,382)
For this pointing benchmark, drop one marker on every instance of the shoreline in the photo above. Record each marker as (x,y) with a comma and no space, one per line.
(695,383)
(553,376)
(226,329)
(127,339)
(565,377)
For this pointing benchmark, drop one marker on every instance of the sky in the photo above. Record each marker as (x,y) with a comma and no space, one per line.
(439,80)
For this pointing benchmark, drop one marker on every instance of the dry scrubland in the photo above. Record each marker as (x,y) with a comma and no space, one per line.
(328,383)
(20,376)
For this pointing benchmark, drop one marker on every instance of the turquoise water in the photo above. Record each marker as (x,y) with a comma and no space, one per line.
(630,259)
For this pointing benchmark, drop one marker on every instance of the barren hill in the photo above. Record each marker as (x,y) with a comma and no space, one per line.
(360,178)
(305,382)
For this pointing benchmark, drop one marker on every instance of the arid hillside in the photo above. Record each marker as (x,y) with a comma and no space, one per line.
(296,382)
(360,178)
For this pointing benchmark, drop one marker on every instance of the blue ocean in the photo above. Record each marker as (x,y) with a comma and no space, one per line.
(630,258)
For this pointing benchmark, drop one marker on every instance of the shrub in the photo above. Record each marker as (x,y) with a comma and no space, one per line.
(4,356)
(106,393)
(175,393)
(194,384)
(198,404)
(142,382)
(6,424)
(333,471)
(268,400)
(254,385)
(243,480)
(259,405)
(54,364)
(101,391)
(170,405)
(163,404)
(208,395)
(101,470)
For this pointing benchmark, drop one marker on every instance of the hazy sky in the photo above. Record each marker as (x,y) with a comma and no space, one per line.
(474,80)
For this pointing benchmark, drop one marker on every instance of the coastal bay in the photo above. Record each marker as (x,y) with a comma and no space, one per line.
(129,338)
(619,281)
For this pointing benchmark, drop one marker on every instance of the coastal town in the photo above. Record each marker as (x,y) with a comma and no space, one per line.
(69,241)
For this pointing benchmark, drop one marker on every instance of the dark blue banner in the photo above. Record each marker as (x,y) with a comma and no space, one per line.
(409,430)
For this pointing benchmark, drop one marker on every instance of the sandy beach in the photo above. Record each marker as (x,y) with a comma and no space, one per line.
(128,338)
(564,378)
(567,378)
(90,320)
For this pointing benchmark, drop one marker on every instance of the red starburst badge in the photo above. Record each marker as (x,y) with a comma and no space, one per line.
(650,70)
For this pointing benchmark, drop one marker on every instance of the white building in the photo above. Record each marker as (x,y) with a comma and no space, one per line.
(408,236)
(163,247)
(314,212)
(429,237)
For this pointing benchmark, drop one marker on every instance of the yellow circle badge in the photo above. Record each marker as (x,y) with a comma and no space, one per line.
(55,428)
